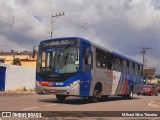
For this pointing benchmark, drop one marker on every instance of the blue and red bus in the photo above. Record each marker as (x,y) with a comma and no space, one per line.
(74,66)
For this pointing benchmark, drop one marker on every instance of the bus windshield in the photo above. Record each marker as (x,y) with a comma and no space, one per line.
(64,59)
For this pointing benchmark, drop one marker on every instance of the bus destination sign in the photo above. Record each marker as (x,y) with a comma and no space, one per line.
(58,43)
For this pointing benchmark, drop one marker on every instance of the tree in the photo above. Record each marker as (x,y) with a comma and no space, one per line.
(157,76)
(16,61)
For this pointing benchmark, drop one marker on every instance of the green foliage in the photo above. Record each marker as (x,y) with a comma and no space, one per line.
(24,89)
(16,61)
(157,76)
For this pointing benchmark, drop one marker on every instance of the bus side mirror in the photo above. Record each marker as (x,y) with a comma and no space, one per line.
(34,52)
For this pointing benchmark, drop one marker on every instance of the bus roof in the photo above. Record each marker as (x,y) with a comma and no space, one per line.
(60,39)
(113,52)
(127,58)
(98,46)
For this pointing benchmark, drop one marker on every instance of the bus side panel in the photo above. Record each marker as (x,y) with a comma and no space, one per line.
(120,83)
(125,81)
(116,84)
(138,84)
(85,84)
(131,82)
(85,76)
(103,76)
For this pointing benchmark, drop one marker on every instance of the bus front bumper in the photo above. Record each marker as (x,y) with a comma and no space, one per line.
(64,90)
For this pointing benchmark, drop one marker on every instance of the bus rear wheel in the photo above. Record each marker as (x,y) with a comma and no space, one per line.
(130,95)
(61,98)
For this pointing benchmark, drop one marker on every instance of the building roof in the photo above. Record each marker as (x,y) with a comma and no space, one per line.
(15,53)
(149,71)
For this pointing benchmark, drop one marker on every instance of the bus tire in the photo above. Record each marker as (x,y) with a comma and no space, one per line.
(61,98)
(97,92)
(130,95)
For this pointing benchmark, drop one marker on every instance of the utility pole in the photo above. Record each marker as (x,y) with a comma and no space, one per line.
(143,51)
(54,16)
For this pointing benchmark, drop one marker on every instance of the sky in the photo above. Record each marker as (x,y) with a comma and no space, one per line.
(124,26)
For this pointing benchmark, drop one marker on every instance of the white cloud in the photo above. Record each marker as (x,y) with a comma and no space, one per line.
(122,25)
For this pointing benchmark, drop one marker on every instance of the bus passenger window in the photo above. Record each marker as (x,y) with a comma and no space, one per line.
(109,65)
(87,61)
(109,61)
(98,63)
(140,70)
(136,69)
(100,58)
(125,66)
(118,64)
(131,67)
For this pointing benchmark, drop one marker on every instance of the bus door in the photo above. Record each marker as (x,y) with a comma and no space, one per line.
(116,80)
(87,64)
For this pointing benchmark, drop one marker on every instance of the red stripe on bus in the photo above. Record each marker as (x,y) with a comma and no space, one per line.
(125,85)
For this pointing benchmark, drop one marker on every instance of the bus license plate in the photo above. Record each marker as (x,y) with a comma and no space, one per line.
(54,91)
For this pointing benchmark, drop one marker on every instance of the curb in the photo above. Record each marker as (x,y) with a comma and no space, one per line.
(154,103)
(17,93)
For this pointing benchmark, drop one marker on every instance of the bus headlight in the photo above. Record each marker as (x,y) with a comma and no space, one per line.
(74,84)
(38,83)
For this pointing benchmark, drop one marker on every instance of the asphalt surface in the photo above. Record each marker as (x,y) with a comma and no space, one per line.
(22,101)
(29,101)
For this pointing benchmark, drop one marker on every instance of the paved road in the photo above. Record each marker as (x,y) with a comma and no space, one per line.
(34,102)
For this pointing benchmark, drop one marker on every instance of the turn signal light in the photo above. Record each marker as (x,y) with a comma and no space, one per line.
(44,83)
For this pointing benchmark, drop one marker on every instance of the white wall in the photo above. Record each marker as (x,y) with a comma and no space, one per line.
(18,77)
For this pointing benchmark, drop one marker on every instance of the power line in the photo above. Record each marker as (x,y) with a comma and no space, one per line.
(70,19)
(153,58)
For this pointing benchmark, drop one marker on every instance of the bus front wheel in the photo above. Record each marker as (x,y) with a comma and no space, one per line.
(61,98)
(96,95)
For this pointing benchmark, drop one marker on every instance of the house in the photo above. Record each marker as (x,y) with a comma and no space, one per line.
(149,73)
(21,58)
(16,78)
